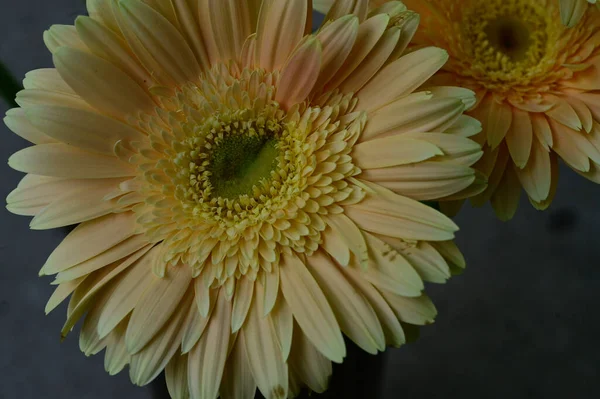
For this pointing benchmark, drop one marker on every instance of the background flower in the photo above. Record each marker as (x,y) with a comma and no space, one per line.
(220,178)
(536,84)
(571,11)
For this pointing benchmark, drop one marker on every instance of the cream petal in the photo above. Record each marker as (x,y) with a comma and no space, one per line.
(271,289)
(418,311)
(496,122)
(505,199)
(62,160)
(46,79)
(394,335)
(230,20)
(300,74)
(322,6)
(335,246)
(311,309)
(389,270)
(63,36)
(283,322)
(564,113)
(90,239)
(372,63)
(102,11)
(238,382)
(161,39)
(241,303)
(107,44)
(156,306)
(415,113)
(369,33)
(176,376)
(283,28)
(30,97)
(536,176)
(356,317)
(206,362)
(264,355)
(147,364)
(583,113)
(401,77)
(80,128)
(351,236)
(135,246)
(311,367)
(116,357)
(339,8)
(390,214)
(392,151)
(18,123)
(187,15)
(520,137)
(427,262)
(128,292)
(195,325)
(101,84)
(571,11)
(569,146)
(337,40)
(61,293)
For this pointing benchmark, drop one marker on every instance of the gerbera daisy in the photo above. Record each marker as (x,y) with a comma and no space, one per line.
(536,83)
(571,11)
(246,191)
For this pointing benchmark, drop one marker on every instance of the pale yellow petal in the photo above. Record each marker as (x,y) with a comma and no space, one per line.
(101,84)
(264,355)
(536,176)
(90,239)
(238,382)
(156,306)
(339,8)
(241,303)
(401,77)
(311,309)
(161,39)
(356,317)
(206,362)
(392,151)
(62,160)
(351,236)
(418,311)
(18,123)
(176,377)
(311,367)
(63,36)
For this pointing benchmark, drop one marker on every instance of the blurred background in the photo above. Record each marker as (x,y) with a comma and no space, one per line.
(521,322)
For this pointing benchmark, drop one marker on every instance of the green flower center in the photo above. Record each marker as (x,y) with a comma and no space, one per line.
(240,162)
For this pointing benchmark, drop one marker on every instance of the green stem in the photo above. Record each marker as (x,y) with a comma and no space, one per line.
(8,86)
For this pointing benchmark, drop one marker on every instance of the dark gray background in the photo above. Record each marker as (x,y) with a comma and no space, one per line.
(522,322)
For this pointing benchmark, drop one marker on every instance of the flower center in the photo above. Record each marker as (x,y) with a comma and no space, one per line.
(240,162)
(507,38)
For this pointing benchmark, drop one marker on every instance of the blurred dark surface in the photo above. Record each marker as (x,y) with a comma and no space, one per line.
(522,322)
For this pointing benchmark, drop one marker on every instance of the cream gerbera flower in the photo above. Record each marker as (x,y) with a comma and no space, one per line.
(537,88)
(571,11)
(245,189)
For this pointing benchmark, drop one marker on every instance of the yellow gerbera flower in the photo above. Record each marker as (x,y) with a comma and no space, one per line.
(245,189)
(536,83)
(571,11)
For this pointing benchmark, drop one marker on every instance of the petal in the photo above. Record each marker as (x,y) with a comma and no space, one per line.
(309,364)
(418,311)
(340,8)
(101,84)
(391,151)
(351,236)
(283,28)
(238,382)
(311,309)
(356,317)
(230,20)
(161,39)
(401,77)
(62,36)
(337,40)
(520,137)
(18,123)
(506,197)
(241,302)
(148,363)
(300,74)
(206,362)
(176,376)
(90,239)
(156,307)
(536,176)
(46,79)
(263,353)
(62,160)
